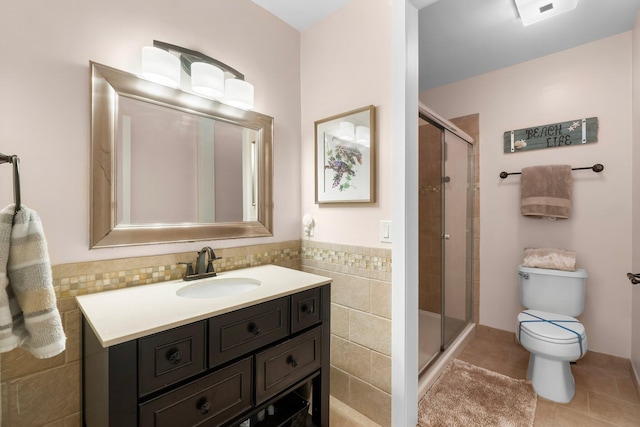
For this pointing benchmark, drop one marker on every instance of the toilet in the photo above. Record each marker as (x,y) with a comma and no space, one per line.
(549,330)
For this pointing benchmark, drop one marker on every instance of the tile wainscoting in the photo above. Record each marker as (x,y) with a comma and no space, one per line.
(360,323)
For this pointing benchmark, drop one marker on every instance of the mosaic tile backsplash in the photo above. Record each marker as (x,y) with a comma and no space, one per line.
(71,280)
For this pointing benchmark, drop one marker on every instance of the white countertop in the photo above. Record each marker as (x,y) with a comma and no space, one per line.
(125,314)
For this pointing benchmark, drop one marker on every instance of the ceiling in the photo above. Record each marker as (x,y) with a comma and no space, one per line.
(460,39)
(465,38)
(301,14)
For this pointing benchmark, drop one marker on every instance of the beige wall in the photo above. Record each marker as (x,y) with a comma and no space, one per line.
(346,64)
(44,112)
(635,262)
(587,81)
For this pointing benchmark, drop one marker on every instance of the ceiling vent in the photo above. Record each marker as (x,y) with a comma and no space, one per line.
(532,11)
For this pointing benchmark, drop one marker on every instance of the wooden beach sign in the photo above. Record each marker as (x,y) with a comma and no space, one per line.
(571,133)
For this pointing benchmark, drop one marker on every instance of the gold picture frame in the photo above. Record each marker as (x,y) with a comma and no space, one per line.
(345,157)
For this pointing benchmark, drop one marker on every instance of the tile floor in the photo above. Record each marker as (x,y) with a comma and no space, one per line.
(605,392)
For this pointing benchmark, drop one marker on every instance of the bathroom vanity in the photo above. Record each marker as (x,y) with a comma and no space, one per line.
(152,357)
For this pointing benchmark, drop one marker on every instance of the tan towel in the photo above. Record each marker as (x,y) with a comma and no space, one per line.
(546,191)
(555,259)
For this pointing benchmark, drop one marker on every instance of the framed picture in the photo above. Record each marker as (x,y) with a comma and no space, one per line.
(345,157)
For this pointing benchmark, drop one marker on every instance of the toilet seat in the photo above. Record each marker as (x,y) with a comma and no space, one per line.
(552,328)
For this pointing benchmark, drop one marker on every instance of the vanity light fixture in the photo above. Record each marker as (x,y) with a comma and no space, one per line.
(207,74)
(160,66)
(532,11)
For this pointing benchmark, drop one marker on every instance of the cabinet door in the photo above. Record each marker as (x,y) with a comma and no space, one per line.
(306,309)
(171,356)
(240,332)
(209,401)
(283,365)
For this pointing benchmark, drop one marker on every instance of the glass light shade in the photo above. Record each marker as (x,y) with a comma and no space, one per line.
(346,131)
(160,66)
(207,80)
(238,93)
(363,135)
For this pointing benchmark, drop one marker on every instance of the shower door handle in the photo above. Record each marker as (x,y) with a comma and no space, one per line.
(446,236)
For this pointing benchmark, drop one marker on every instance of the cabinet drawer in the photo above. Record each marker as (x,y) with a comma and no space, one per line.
(209,401)
(168,357)
(234,334)
(283,365)
(305,309)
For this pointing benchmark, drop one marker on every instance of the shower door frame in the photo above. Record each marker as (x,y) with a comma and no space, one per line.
(445,126)
(469,235)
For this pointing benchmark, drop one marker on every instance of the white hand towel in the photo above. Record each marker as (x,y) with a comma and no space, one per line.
(36,319)
(11,331)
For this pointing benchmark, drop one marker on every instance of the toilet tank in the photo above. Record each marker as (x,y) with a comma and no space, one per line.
(555,291)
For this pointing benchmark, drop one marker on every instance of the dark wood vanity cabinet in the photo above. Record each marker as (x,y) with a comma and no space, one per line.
(219,371)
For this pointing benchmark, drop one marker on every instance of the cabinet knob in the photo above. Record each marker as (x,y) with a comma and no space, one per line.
(307,308)
(253,328)
(174,356)
(203,405)
(292,361)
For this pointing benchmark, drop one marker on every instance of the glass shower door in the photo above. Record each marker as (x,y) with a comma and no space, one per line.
(457,237)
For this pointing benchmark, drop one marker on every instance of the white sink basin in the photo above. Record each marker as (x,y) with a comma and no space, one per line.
(217,287)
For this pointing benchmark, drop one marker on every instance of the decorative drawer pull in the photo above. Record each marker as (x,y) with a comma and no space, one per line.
(307,309)
(292,361)
(203,405)
(253,328)
(174,356)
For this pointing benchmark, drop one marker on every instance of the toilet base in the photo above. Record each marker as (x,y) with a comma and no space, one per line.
(551,378)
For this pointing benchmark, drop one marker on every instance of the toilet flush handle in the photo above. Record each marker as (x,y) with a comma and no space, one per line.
(634,278)
(524,275)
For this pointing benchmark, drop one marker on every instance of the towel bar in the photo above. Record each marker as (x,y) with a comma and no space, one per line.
(596,168)
(15,160)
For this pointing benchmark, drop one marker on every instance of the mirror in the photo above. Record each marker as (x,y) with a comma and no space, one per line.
(171,166)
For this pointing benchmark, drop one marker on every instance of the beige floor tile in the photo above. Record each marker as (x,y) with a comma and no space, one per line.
(614,410)
(545,412)
(580,402)
(627,390)
(594,380)
(342,415)
(570,418)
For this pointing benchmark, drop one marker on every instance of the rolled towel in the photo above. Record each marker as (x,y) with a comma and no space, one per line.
(546,191)
(554,259)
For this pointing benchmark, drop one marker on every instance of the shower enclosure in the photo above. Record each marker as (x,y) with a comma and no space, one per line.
(446,211)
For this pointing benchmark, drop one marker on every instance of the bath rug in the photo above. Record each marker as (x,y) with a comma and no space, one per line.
(466,395)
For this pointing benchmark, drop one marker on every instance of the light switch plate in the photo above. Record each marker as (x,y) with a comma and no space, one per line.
(385,231)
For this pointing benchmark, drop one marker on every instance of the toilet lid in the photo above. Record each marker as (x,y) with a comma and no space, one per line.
(551,327)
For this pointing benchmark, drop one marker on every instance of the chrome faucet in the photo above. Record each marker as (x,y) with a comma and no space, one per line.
(204,265)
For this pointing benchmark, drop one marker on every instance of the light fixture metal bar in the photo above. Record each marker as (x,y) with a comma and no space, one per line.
(188,56)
